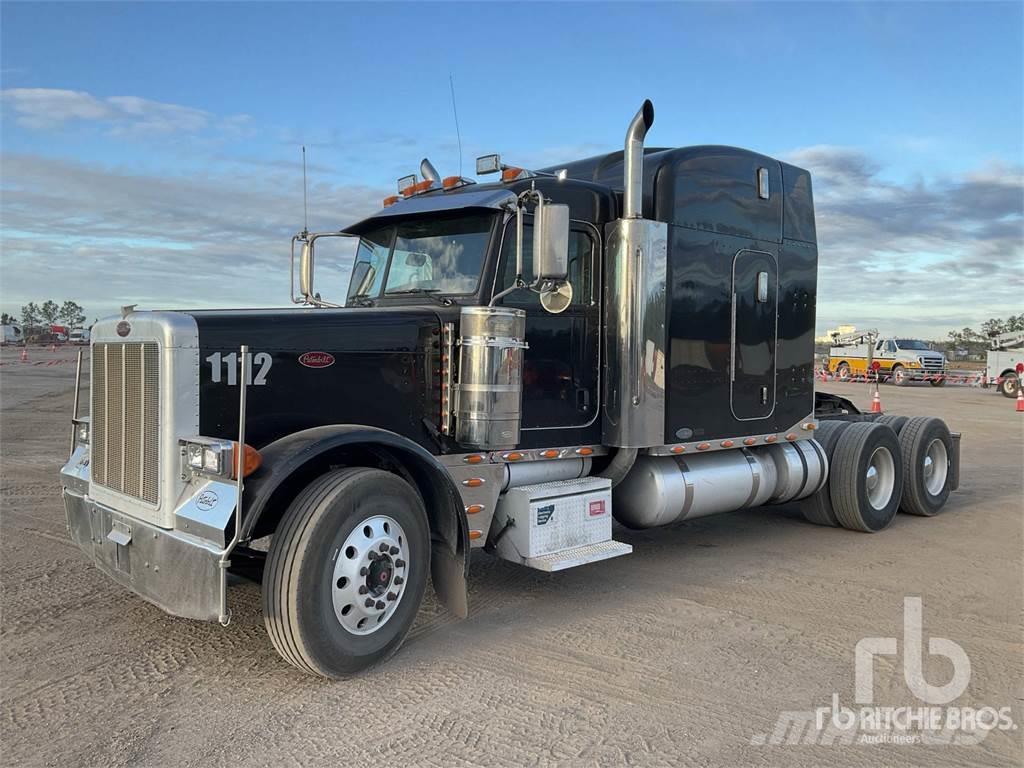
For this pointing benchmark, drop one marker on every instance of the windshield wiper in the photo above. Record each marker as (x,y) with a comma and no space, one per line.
(360,300)
(444,301)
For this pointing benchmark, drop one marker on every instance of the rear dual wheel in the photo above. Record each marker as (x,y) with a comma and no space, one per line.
(346,571)
(927,449)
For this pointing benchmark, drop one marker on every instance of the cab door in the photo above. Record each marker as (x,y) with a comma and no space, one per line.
(754,328)
(561,365)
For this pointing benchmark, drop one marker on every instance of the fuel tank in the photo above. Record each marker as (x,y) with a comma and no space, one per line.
(377,366)
(660,490)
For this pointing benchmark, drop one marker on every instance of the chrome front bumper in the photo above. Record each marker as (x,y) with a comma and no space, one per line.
(175,571)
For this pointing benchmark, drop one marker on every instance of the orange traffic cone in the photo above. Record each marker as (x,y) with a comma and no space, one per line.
(1020,398)
(876,402)
(24,354)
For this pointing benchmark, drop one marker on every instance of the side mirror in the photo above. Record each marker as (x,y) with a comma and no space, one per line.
(306,270)
(551,241)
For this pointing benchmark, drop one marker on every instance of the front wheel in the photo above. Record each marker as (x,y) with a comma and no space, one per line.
(899,375)
(346,571)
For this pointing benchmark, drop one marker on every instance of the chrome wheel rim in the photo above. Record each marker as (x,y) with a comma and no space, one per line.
(935,467)
(880,478)
(370,570)
(899,375)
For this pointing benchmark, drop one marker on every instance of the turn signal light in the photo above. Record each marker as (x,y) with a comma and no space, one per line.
(391,200)
(791,436)
(512,174)
(810,425)
(584,451)
(703,446)
(749,441)
(514,456)
(678,449)
(474,535)
(251,460)
(473,509)
(474,458)
(473,482)
(771,439)
(727,443)
(551,453)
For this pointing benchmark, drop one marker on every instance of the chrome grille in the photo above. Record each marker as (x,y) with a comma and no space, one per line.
(931,363)
(125,418)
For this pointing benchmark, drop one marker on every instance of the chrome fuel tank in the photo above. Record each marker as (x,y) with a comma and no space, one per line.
(666,489)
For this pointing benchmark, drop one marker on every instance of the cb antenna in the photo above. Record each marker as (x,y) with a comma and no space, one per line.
(305,201)
(458,134)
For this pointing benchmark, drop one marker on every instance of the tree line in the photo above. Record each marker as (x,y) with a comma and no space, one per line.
(976,342)
(70,313)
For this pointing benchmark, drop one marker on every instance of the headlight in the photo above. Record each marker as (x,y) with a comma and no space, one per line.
(216,458)
(209,456)
(82,433)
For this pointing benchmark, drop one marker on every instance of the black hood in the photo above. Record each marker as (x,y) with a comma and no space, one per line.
(312,367)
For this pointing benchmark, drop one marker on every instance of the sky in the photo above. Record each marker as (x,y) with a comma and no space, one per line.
(150,152)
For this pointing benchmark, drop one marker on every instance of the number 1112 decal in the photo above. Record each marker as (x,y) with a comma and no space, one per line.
(259,361)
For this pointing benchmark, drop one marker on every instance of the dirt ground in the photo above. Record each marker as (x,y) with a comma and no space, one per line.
(686,652)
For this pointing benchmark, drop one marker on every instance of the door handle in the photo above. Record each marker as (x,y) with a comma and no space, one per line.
(583,400)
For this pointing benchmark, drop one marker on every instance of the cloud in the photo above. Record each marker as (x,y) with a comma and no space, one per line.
(919,256)
(106,237)
(52,108)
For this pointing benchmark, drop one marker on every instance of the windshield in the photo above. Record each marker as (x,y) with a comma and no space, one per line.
(911,344)
(437,255)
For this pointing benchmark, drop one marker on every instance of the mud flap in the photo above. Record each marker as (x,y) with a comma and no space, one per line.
(448,572)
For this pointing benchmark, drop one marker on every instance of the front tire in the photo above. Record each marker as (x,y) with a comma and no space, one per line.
(899,376)
(346,572)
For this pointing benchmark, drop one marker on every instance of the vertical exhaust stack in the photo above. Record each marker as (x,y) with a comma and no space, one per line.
(634,309)
(633,161)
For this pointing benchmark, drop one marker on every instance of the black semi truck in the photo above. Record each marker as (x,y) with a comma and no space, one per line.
(512,365)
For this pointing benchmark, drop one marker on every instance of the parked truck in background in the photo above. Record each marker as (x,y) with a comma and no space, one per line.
(516,363)
(1002,361)
(12,334)
(899,360)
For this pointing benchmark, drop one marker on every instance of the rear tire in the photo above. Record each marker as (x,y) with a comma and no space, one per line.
(895,423)
(866,477)
(927,448)
(1008,385)
(939,382)
(352,536)
(843,372)
(817,508)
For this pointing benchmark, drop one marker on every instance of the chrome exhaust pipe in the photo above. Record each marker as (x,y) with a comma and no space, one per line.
(633,161)
(429,172)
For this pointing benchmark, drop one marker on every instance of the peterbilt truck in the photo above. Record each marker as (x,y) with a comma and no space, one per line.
(512,366)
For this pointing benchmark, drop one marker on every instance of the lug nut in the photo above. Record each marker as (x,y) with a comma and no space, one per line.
(394,550)
(392,596)
(383,547)
(398,580)
(363,571)
(369,602)
(381,605)
(363,589)
(399,563)
(372,555)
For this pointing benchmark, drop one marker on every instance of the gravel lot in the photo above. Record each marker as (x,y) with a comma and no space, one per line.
(682,653)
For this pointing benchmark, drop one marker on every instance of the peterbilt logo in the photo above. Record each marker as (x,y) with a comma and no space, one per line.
(124,328)
(316,359)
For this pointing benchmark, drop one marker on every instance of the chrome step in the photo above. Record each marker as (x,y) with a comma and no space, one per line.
(570,558)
